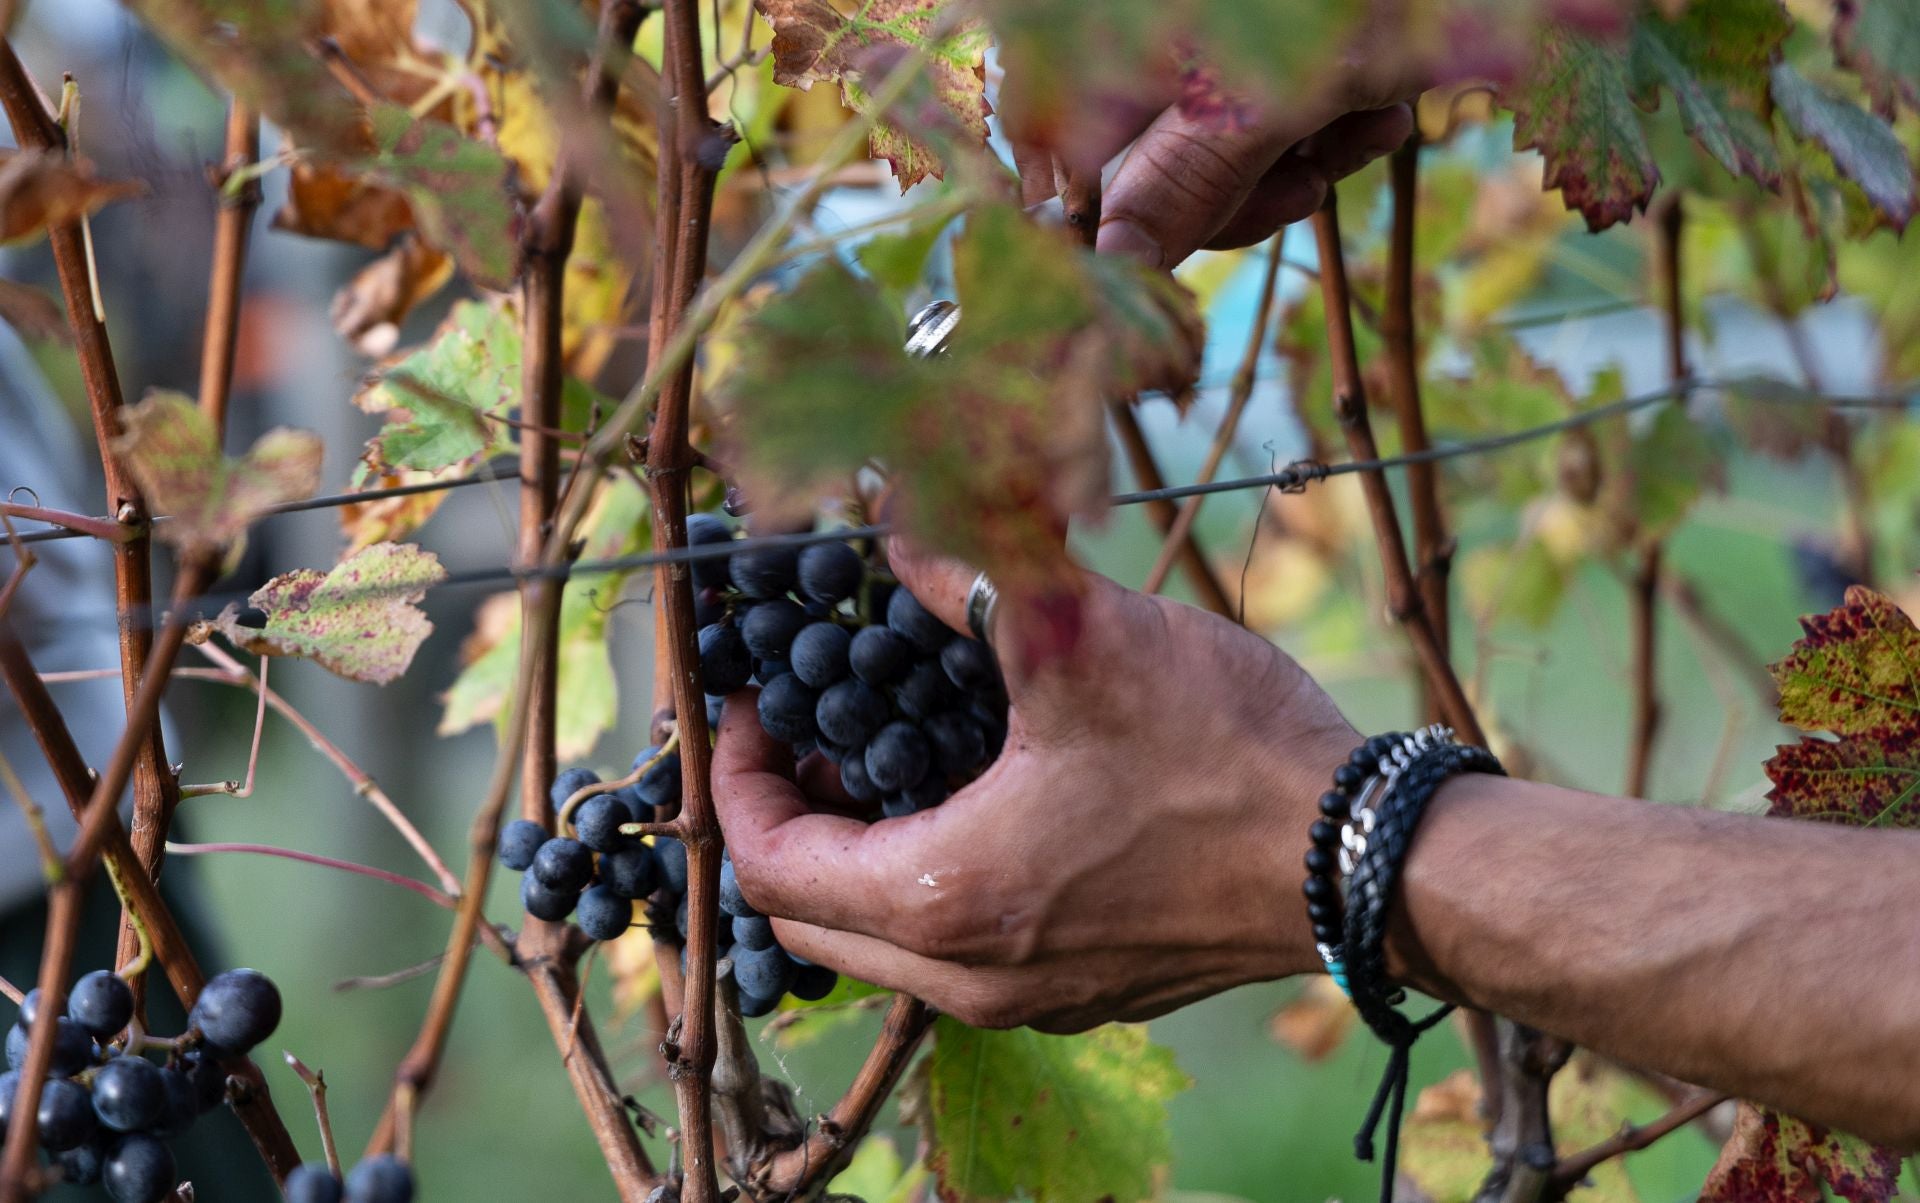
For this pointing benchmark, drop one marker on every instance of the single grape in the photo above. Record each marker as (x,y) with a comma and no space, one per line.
(764,671)
(769,628)
(969,664)
(725,662)
(830,572)
(9,1082)
(29,1007)
(854,779)
(930,792)
(732,901)
(661,785)
(702,530)
(755,932)
(673,863)
(765,973)
(959,746)
(709,606)
(632,871)
(597,822)
(786,709)
(562,864)
(906,615)
(72,1048)
(753,1007)
(139,1169)
(570,782)
(81,1166)
(380,1179)
(850,712)
(764,572)
(896,806)
(128,1092)
(603,914)
(897,757)
(926,691)
(66,1115)
(811,983)
(880,655)
(519,841)
(313,1182)
(183,1103)
(834,753)
(819,654)
(542,901)
(208,1078)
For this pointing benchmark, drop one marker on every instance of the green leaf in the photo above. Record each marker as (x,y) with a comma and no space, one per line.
(1713,58)
(1880,40)
(359,619)
(877,1175)
(1856,671)
(801,1022)
(442,401)
(1059,1119)
(1667,466)
(1575,106)
(1774,1158)
(458,189)
(174,453)
(1864,147)
(896,260)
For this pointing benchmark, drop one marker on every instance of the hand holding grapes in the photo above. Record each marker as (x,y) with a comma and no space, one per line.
(1116,861)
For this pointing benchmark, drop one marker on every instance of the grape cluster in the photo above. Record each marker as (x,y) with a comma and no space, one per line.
(762,970)
(382,1178)
(851,665)
(106,1114)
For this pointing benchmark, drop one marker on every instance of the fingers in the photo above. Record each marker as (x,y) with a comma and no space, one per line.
(941,583)
(1296,185)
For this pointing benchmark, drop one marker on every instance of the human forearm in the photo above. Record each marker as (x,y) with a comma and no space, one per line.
(1776,961)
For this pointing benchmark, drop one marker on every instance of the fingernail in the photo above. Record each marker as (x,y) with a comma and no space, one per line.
(1122,237)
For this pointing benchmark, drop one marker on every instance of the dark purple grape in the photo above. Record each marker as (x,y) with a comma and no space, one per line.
(959,746)
(709,606)
(129,1093)
(542,901)
(819,655)
(725,663)
(906,615)
(659,788)
(897,806)
(993,728)
(765,973)
(830,572)
(29,1007)
(753,1007)
(380,1179)
(81,1166)
(66,1115)
(880,655)
(850,712)
(562,865)
(897,757)
(313,1182)
(786,709)
(603,914)
(811,983)
(519,841)
(854,779)
(208,1078)
(926,691)
(970,665)
(631,872)
(931,791)
(769,628)
(754,932)
(183,1103)
(764,671)
(139,1169)
(704,530)
(9,1082)
(672,855)
(764,572)
(570,782)
(732,901)
(597,822)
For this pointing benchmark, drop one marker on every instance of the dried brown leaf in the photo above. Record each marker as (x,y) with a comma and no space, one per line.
(41,188)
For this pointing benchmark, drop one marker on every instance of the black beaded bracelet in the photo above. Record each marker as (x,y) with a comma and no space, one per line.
(1408,777)
(1325,907)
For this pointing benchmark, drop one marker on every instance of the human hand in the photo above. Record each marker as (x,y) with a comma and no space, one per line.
(1136,846)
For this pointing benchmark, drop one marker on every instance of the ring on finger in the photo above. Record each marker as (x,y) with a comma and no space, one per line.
(982,600)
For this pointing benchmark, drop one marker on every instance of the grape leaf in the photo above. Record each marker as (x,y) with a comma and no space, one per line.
(1575,106)
(1774,1158)
(442,400)
(329,200)
(1058,1119)
(368,309)
(1713,58)
(1863,147)
(1880,41)
(172,450)
(457,187)
(359,620)
(41,188)
(1863,780)
(34,315)
(813,41)
(1856,672)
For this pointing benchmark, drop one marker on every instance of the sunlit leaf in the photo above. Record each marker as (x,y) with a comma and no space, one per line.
(1058,1119)
(443,401)
(1855,672)
(210,500)
(1774,1158)
(41,188)
(360,619)
(1864,147)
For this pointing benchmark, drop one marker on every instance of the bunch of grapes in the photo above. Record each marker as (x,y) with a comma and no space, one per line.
(382,1178)
(850,665)
(106,1113)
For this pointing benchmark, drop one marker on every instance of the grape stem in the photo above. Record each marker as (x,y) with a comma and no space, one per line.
(317,1087)
(606,787)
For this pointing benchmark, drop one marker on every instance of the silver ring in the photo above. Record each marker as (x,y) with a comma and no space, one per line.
(982,600)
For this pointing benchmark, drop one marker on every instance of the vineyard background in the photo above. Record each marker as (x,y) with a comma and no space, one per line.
(1548,620)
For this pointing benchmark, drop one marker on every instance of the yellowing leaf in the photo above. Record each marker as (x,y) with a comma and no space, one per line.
(359,619)
(1774,1158)
(209,500)
(41,188)
(327,200)
(1058,1119)
(1574,106)
(1856,672)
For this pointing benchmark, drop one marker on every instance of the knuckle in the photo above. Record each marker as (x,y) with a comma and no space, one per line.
(990,1007)
(947,927)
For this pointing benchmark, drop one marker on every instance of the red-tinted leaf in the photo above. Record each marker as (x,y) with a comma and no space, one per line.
(1862,780)
(1864,147)
(359,620)
(1774,1158)
(1856,672)
(457,187)
(1575,107)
